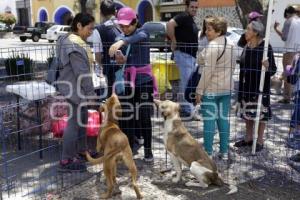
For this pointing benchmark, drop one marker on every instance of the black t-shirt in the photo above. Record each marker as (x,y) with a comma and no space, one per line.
(186,34)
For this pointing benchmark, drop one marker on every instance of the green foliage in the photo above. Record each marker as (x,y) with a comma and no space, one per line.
(19,67)
(8,18)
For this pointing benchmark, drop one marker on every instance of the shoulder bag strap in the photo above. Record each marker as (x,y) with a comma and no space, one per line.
(223,50)
(127,53)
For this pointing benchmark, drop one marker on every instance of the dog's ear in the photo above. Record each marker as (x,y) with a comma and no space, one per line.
(101,108)
(157,102)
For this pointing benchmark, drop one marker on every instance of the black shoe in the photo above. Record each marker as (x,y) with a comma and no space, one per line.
(259,147)
(243,143)
(284,101)
(148,156)
(71,165)
(295,158)
(185,114)
(135,148)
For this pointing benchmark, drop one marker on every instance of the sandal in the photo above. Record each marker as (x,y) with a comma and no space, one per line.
(243,143)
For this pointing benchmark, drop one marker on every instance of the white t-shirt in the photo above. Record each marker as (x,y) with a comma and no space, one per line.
(97,42)
(292,43)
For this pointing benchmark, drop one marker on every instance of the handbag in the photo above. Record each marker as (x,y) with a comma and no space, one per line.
(54,67)
(119,85)
(58,126)
(190,90)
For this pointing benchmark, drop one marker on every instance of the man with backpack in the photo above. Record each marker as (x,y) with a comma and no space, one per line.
(103,37)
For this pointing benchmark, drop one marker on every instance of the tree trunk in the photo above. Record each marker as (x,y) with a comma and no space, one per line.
(243,8)
(83,6)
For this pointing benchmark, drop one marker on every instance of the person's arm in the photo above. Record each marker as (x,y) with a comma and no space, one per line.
(140,36)
(80,67)
(211,55)
(272,64)
(276,28)
(171,33)
(285,30)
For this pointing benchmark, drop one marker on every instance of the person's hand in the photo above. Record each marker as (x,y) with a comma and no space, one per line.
(265,63)
(173,45)
(198,99)
(276,24)
(114,47)
(120,58)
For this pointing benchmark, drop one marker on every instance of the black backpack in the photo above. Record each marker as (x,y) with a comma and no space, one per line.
(108,32)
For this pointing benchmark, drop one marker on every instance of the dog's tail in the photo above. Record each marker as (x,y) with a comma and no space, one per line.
(94,161)
(100,160)
(217,180)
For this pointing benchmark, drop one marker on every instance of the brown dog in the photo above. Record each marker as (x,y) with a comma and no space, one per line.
(184,149)
(115,146)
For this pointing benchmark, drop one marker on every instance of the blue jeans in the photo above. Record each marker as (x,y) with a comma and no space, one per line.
(216,109)
(295,121)
(186,65)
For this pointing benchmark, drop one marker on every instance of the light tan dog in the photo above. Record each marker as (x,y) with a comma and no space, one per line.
(115,146)
(184,149)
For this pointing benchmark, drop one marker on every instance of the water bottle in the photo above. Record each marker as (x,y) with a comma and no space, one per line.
(97,69)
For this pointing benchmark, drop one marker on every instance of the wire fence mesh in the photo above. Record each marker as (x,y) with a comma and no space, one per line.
(30,153)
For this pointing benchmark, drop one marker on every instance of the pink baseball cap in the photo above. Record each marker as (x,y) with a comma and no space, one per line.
(125,16)
(253,15)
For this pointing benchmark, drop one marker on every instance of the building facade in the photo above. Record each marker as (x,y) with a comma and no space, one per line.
(61,11)
(23,10)
(225,8)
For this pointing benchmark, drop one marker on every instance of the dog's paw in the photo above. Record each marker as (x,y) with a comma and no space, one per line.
(105,195)
(176,179)
(117,191)
(140,196)
(192,184)
(203,185)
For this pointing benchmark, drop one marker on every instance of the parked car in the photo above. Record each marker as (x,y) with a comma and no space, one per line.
(158,35)
(55,31)
(234,34)
(37,32)
(18,29)
(3,27)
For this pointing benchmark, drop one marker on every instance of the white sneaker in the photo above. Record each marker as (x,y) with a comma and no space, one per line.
(223,156)
(141,141)
(197,117)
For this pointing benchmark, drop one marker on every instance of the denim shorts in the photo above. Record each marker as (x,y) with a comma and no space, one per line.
(296,113)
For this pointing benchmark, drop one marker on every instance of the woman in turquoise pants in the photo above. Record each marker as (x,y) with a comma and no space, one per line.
(214,88)
(215,110)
